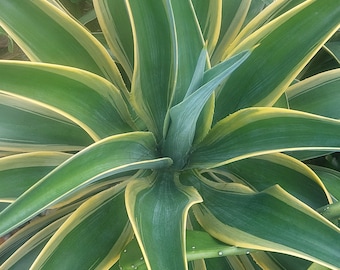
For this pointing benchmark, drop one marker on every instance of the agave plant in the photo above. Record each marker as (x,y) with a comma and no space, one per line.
(181,146)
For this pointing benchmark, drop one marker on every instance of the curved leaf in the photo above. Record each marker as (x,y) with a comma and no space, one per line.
(334,45)
(265,260)
(268,75)
(154,70)
(256,131)
(184,116)
(114,21)
(188,45)
(105,216)
(256,7)
(71,44)
(323,61)
(318,94)
(233,16)
(199,244)
(292,175)
(86,99)
(206,116)
(274,10)
(209,15)
(330,178)
(32,233)
(21,171)
(152,205)
(107,157)
(47,130)
(290,262)
(25,255)
(285,233)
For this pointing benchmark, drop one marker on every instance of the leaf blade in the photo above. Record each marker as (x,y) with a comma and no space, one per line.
(151,205)
(209,15)
(318,94)
(188,46)
(78,47)
(114,20)
(277,72)
(19,172)
(154,53)
(117,154)
(107,211)
(295,177)
(240,135)
(103,113)
(48,130)
(184,116)
(251,230)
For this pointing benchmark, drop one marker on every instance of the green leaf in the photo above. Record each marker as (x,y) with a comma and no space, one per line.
(105,216)
(290,262)
(47,131)
(282,102)
(188,45)
(30,22)
(108,157)
(196,265)
(209,15)
(318,94)
(184,115)
(24,256)
(256,131)
(330,178)
(197,79)
(217,263)
(154,70)
(21,171)
(334,45)
(33,233)
(199,244)
(242,262)
(323,61)
(292,175)
(316,266)
(266,261)
(206,116)
(233,16)
(331,212)
(268,75)
(81,195)
(101,113)
(115,24)
(87,17)
(27,259)
(285,233)
(132,257)
(256,7)
(271,12)
(205,120)
(153,204)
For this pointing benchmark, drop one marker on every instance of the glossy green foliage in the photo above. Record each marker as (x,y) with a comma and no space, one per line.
(164,134)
